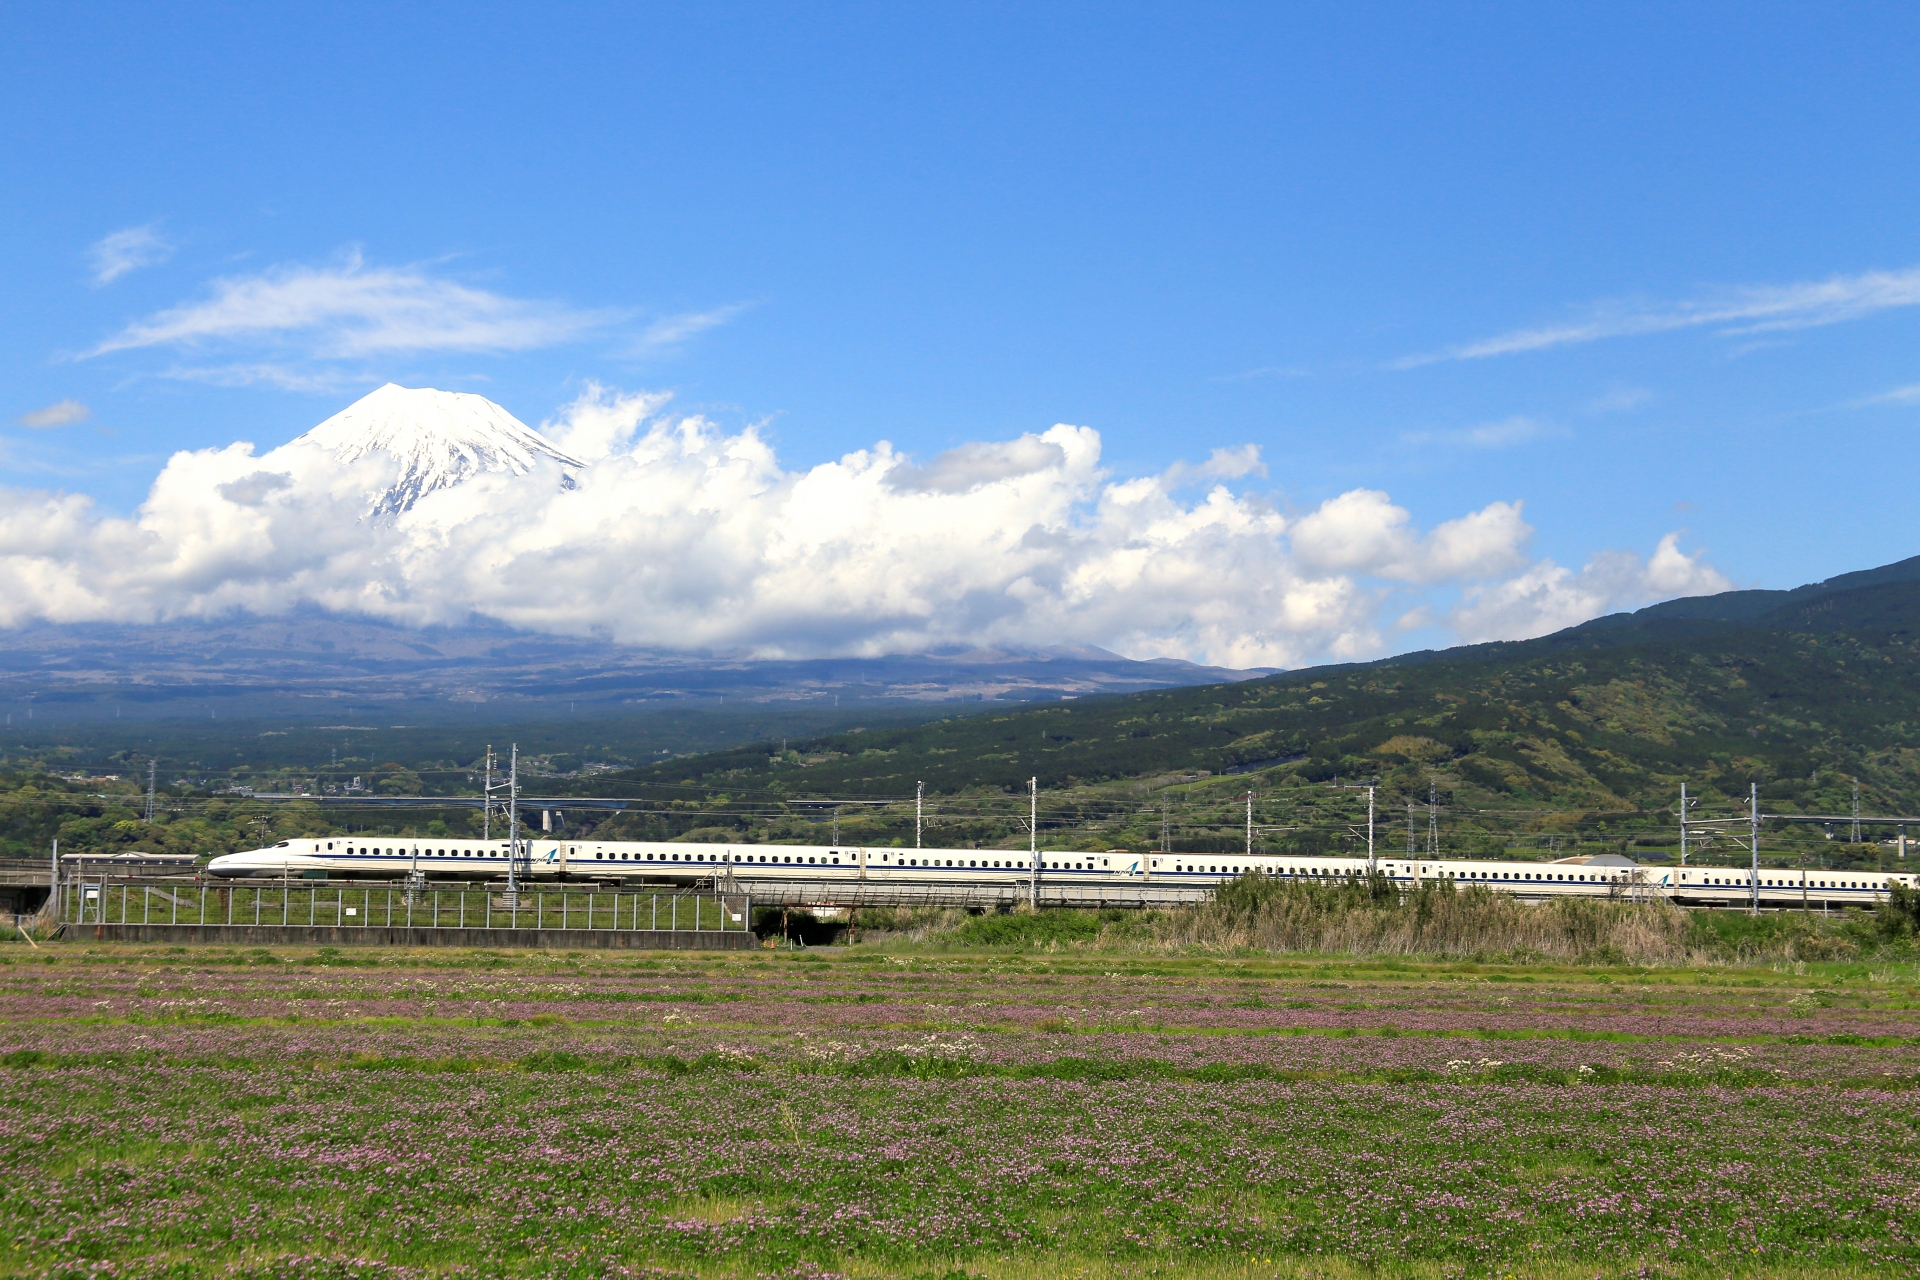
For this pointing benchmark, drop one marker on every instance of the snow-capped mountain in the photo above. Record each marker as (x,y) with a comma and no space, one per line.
(437,439)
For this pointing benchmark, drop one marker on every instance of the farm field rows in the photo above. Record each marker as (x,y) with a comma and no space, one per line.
(862,1113)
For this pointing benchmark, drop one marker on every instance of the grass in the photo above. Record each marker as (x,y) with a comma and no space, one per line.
(982,1113)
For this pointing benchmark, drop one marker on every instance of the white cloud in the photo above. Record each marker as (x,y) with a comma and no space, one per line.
(1363,532)
(350,310)
(1547,597)
(127,250)
(61,413)
(681,535)
(1504,434)
(1743,310)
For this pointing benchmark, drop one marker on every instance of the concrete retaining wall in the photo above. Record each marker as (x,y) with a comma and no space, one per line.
(299,935)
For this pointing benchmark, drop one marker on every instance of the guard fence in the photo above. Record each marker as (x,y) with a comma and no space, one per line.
(102,900)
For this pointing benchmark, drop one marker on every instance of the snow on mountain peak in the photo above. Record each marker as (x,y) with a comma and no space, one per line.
(437,438)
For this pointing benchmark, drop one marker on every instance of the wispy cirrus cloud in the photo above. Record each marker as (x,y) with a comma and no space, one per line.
(61,413)
(350,310)
(129,249)
(1503,434)
(1265,371)
(284,376)
(1909,394)
(1739,310)
(671,331)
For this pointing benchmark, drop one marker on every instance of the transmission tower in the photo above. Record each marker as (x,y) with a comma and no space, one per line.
(151,765)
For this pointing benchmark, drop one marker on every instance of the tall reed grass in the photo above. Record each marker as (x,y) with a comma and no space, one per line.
(1375,917)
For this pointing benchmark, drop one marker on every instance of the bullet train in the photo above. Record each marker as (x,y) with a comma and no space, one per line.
(545,859)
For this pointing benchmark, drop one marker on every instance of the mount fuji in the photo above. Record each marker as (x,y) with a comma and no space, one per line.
(436,439)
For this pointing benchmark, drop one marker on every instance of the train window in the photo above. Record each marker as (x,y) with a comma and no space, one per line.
(836,862)
(596,856)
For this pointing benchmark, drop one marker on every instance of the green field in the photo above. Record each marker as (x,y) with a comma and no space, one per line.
(879,1111)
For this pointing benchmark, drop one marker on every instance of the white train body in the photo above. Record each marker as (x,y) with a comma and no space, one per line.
(394,857)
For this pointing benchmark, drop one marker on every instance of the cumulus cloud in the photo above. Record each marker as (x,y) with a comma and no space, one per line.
(1742,310)
(349,309)
(127,250)
(1546,597)
(679,534)
(61,413)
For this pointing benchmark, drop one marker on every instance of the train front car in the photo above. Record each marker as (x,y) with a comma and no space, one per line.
(288,859)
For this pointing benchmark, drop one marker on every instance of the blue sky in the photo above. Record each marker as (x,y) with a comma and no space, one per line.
(1642,268)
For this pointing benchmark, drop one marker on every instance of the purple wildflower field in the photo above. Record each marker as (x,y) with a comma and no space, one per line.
(858,1113)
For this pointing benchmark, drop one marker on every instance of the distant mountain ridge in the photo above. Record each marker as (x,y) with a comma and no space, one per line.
(313,663)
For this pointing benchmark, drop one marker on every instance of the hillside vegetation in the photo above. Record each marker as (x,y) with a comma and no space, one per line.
(1579,740)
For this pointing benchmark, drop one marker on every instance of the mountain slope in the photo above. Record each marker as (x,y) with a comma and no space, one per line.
(1818,688)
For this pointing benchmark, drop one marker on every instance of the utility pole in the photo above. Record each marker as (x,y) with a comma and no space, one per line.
(919,807)
(151,765)
(1033,839)
(1753,883)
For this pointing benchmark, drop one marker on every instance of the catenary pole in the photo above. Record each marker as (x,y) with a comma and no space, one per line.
(1683,824)
(1371,865)
(513,825)
(1249,824)
(919,808)
(1033,840)
(1753,882)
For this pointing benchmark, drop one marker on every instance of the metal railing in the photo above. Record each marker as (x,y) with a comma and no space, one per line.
(86,900)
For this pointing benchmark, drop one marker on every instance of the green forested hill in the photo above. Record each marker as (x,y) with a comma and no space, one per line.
(1587,733)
